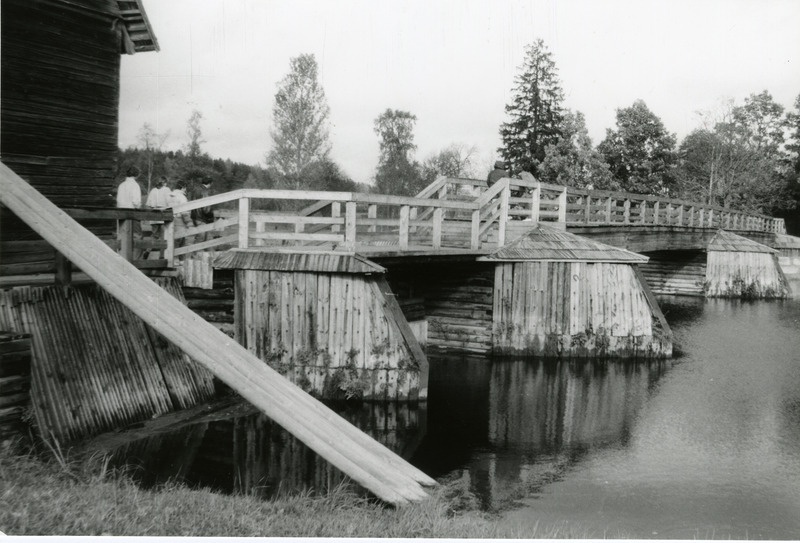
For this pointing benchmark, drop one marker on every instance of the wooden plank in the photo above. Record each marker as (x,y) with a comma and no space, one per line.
(244,222)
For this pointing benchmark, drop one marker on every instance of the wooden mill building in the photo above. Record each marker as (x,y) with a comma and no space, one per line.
(59,101)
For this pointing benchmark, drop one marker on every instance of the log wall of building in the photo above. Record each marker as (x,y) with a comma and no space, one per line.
(334,335)
(737,274)
(675,272)
(581,309)
(96,366)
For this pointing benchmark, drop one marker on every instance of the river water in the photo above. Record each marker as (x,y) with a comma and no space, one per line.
(706,445)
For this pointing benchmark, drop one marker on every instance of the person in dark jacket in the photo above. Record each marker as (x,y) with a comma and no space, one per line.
(500,171)
(203,215)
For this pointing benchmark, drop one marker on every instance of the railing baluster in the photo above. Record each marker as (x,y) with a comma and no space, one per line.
(680,214)
(169,237)
(711,218)
(244,222)
(643,212)
(404,224)
(608,210)
(474,237)
(587,210)
(503,220)
(562,206)
(626,212)
(438,216)
(536,202)
(372,213)
(350,225)
(336,212)
(656,211)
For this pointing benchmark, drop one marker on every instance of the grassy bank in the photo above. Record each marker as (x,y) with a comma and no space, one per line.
(57,497)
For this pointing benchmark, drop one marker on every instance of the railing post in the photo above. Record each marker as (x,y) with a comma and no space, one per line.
(244,222)
(587,209)
(711,218)
(126,239)
(562,206)
(643,212)
(656,212)
(404,224)
(372,213)
(669,213)
(702,217)
(505,195)
(626,211)
(350,225)
(680,214)
(63,275)
(691,216)
(438,215)
(169,237)
(536,202)
(474,237)
(261,227)
(336,212)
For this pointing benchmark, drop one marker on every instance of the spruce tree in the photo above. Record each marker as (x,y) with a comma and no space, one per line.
(535,112)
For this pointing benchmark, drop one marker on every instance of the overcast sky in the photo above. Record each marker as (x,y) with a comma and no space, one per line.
(449,62)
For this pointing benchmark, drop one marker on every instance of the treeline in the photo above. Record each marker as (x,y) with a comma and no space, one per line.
(744,156)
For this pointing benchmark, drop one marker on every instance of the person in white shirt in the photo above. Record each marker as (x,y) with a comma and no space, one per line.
(129,195)
(158,199)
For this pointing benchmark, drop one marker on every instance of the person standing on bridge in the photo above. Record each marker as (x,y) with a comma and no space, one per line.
(158,199)
(183,221)
(129,196)
(203,215)
(500,171)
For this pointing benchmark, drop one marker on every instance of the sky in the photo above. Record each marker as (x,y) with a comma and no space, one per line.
(452,63)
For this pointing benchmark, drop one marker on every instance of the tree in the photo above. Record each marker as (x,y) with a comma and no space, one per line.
(397,173)
(300,114)
(640,152)
(456,160)
(573,161)
(736,160)
(151,142)
(195,135)
(535,111)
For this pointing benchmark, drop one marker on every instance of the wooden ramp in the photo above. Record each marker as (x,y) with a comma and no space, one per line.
(362,458)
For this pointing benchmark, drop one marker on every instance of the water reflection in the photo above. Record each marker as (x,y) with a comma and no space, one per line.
(511,426)
(248,453)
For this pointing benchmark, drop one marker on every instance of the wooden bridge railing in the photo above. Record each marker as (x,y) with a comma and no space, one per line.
(451,213)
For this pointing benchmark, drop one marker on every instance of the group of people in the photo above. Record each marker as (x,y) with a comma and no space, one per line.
(129,195)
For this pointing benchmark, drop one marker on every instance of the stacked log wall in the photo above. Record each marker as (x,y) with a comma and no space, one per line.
(675,272)
(59,113)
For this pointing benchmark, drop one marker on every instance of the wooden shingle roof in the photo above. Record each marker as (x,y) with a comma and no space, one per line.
(137,26)
(551,244)
(730,242)
(298,261)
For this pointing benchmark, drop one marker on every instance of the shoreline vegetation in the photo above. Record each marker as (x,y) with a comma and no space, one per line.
(54,495)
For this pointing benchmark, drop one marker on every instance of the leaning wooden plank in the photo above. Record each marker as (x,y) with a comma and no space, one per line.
(373,466)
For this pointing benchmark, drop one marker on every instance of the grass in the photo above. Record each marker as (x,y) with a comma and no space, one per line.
(58,496)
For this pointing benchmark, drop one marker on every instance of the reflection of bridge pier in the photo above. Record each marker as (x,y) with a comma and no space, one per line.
(550,414)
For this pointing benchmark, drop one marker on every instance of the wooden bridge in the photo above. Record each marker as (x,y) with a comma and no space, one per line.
(450,217)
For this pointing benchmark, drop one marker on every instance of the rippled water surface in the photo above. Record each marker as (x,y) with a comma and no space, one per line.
(704,446)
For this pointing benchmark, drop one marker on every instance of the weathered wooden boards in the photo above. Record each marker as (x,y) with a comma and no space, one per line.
(738,267)
(96,365)
(367,462)
(333,334)
(575,309)
(15,381)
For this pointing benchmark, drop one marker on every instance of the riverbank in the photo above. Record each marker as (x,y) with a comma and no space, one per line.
(71,497)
